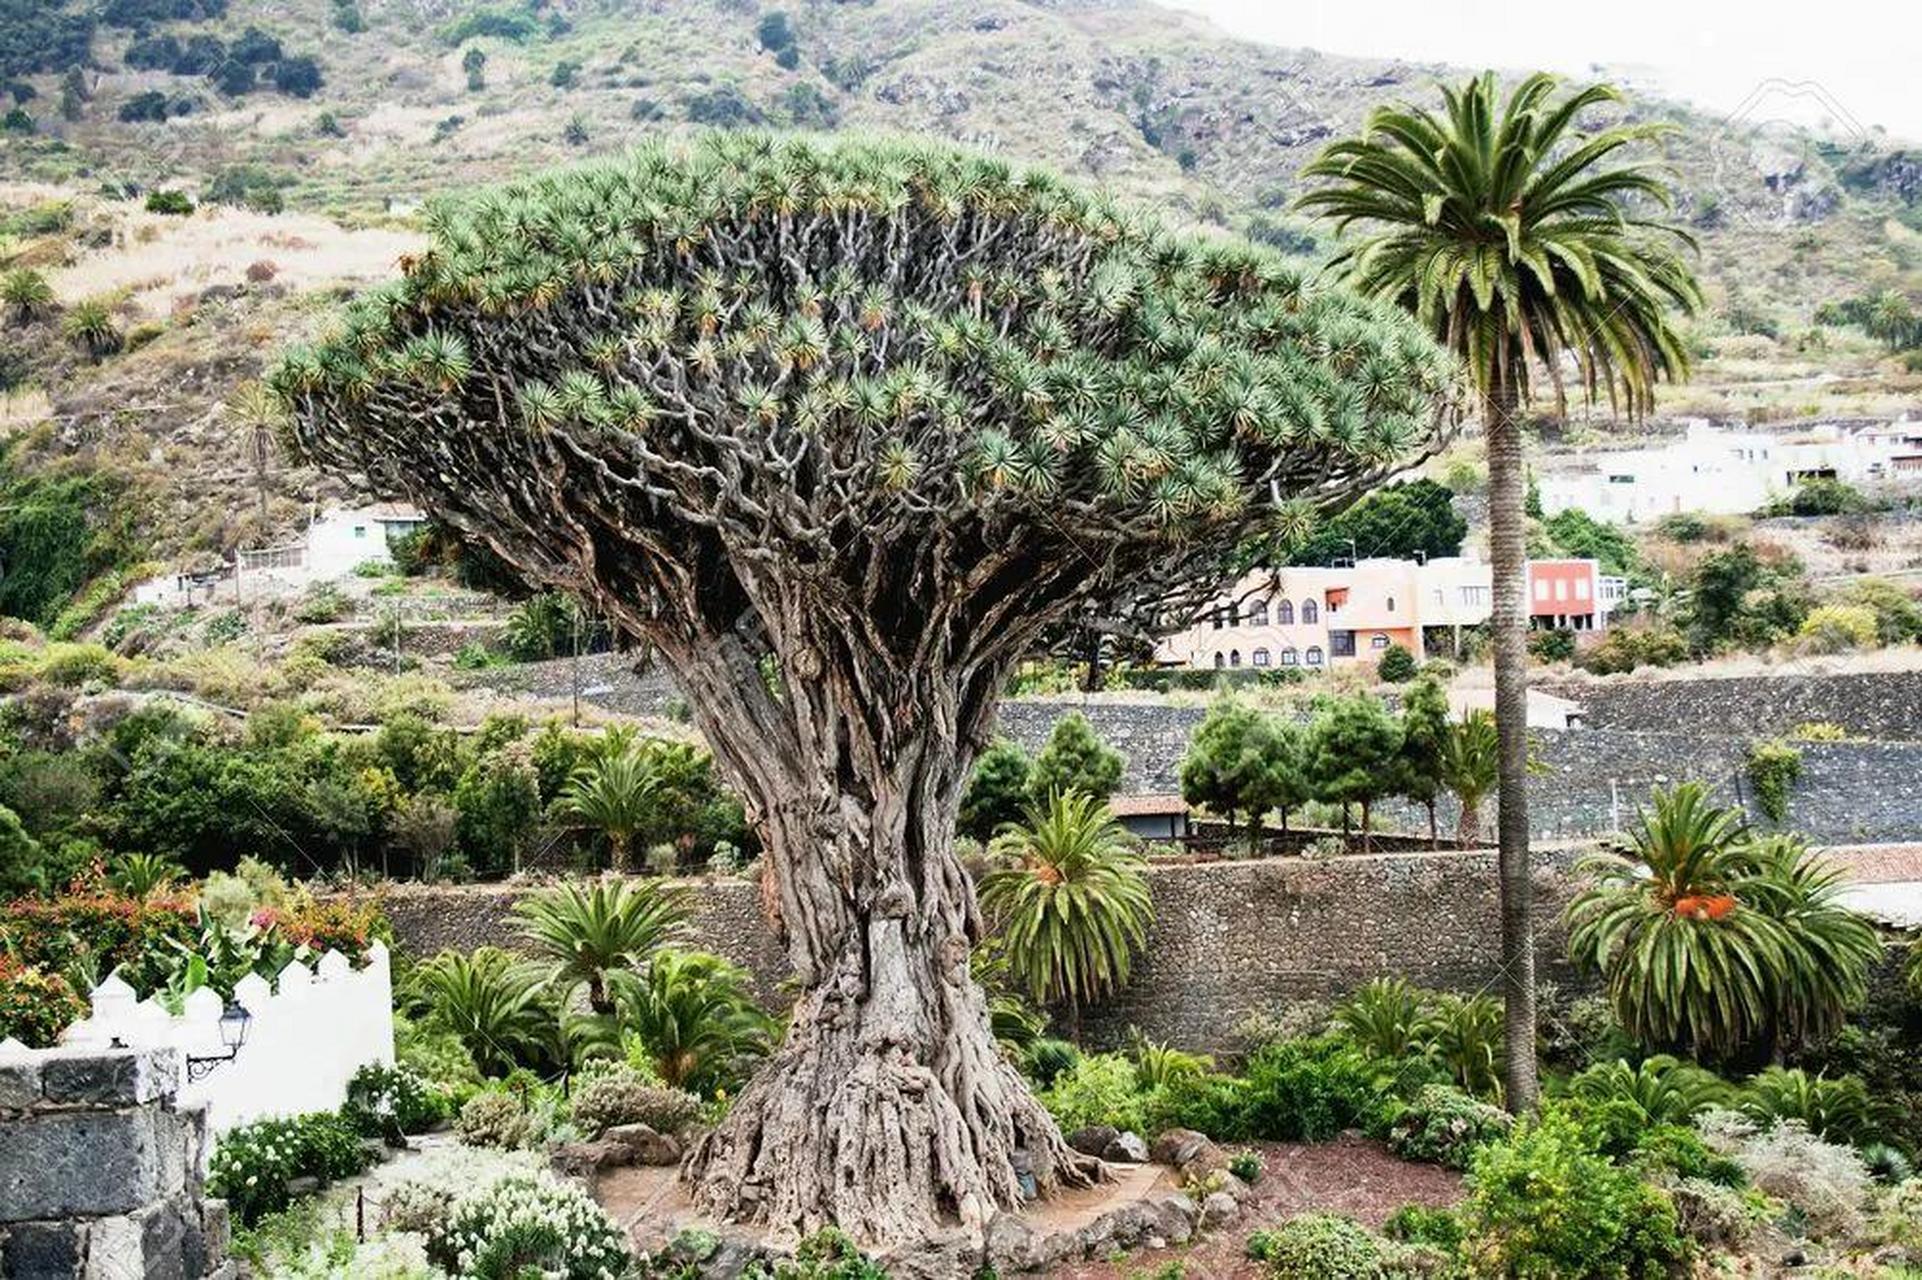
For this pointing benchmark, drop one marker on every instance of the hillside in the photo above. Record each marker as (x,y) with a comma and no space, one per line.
(309,133)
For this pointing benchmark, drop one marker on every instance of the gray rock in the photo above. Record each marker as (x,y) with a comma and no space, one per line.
(1219,1209)
(81,1164)
(1094,1139)
(19,1083)
(41,1251)
(108,1078)
(1012,1244)
(1173,1215)
(1188,1152)
(1127,1148)
(942,1256)
(589,1159)
(645,1144)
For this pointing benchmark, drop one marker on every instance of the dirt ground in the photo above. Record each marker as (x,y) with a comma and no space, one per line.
(1351,1175)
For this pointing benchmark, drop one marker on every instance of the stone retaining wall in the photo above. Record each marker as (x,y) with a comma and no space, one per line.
(1881,704)
(1229,938)
(100,1171)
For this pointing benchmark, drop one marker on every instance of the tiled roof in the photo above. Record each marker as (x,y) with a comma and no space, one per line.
(1878,863)
(1140,806)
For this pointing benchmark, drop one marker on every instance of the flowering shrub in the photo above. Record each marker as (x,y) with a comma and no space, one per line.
(1445,1125)
(523,1224)
(103,930)
(391,1102)
(253,1164)
(35,1007)
(495,1118)
(624,1096)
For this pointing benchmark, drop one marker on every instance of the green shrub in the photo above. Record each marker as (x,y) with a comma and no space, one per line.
(1102,1088)
(1552,645)
(1309,1090)
(1544,1203)
(1245,1165)
(253,1164)
(625,1096)
(72,666)
(1420,1224)
(1397,665)
(391,1102)
(1445,1126)
(529,1226)
(1835,1108)
(174,203)
(1318,1246)
(1044,1059)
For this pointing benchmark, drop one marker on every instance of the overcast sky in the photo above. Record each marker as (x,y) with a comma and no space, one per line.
(1856,63)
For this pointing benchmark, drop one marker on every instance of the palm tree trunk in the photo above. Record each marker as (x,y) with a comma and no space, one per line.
(617,850)
(1507,556)
(1434,833)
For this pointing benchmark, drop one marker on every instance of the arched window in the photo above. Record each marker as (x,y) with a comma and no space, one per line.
(1314,655)
(1260,657)
(1258,613)
(1220,618)
(1234,657)
(1284,613)
(1220,661)
(1391,604)
(1289,657)
(1379,641)
(1310,613)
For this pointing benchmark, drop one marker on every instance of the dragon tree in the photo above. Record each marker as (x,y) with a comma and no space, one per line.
(841,431)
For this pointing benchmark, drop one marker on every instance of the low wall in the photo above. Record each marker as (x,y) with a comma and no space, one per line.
(100,1169)
(1877,704)
(308,1032)
(1229,938)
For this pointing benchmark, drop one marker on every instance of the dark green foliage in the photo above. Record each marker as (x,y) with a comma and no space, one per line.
(516,24)
(1046,1058)
(998,790)
(1551,644)
(1397,665)
(1404,520)
(20,858)
(1419,1224)
(246,184)
(499,803)
(1307,1091)
(1579,536)
(297,77)
(1354,751)
(774,31)
(1244,762)
(564,74)
(43,36)
(17,120)
(1819,496)
(348,17)
(1445,1126)
(255,46)
(1737,598)
(140,14)
(1074,758)
(150,105)
(1773,770)
(723,107)
(170,202)
(59,533)
(253,1164)
(806,107)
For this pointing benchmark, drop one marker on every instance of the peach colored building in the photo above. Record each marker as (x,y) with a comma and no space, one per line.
(1314,617)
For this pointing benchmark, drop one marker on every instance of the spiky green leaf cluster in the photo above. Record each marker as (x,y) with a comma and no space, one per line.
(873,327)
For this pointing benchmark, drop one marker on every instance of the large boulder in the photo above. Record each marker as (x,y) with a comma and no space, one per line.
(588,1160)
(1127,1148)
(1094,1139)
(645,1145)
(1189,1153)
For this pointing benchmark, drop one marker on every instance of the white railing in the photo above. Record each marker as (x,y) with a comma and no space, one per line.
(306,1036)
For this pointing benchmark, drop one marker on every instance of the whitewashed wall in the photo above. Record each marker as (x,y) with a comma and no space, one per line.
(311,1030)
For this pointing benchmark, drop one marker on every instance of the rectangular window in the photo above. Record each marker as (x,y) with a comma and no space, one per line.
(1380,641)
(1581,588)
(1561,588)
(1541,588)
(1341,643)
(360,531)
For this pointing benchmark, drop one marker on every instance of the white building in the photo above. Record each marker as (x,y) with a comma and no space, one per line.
(336,542)
(1722,472)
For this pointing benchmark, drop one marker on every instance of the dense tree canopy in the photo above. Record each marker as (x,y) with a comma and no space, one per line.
(843,431)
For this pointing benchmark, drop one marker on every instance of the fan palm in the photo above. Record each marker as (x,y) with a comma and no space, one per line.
(614,794)
(1470,765)
(590,932)
(495,1003)
(1071,900)
(1665,1089)
(1507,231)
(696,1017)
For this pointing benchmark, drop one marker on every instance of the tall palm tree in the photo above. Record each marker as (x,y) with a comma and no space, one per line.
(1071,900)
(614,794)
(590,932)
(1470,767)
(1510,233)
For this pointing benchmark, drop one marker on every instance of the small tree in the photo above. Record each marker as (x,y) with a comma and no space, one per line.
(1243,761)
(1397,665)
(1354,755)
(1470,767)
(1424,737)
(20,859)
(998,790)
(27,292)
(613,794)
(474,63)
(1075,759)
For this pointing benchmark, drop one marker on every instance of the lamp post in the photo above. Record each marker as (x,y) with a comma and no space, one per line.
(234,1021)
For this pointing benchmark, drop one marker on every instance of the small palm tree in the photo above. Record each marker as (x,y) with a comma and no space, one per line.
(1834,1107)
(1470,768)
(696,1017)
(1389,1018)
(494,1002)
(614,794)
(1665,1089)
(1514,236)
(589,933)
(1071,900)
(1710,938)
(141,875)
(90,326)
(27,292)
